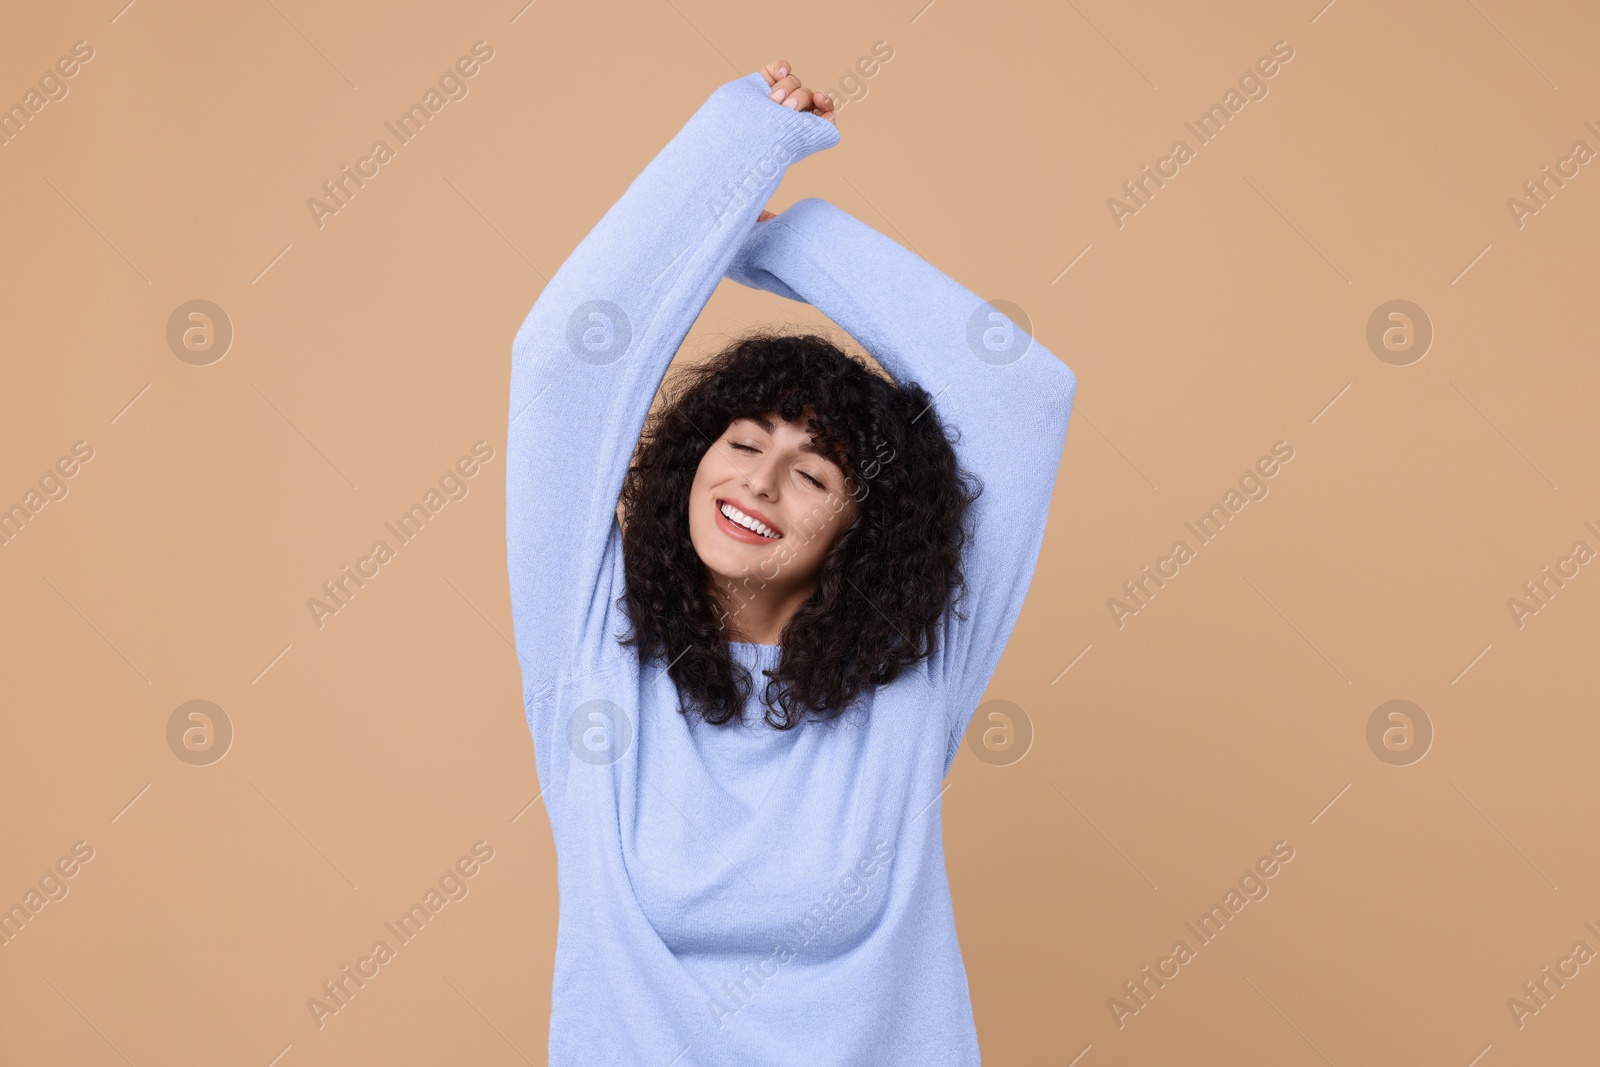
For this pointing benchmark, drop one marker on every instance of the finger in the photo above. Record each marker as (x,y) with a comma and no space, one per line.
(806,100)
(784,88)
(823,103)
(799,99)
(778,68)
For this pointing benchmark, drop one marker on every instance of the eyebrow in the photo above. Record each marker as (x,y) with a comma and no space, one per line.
(809,446)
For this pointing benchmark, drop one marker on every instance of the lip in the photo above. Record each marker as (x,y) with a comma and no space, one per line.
(737,532)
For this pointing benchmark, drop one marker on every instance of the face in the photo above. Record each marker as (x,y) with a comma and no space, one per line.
(766,469)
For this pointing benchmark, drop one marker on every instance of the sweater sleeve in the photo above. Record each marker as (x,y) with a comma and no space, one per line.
(1002,395)
(591,353)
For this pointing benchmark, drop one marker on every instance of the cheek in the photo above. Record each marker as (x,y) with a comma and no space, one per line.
(698,489)
(714,467)
(710,472)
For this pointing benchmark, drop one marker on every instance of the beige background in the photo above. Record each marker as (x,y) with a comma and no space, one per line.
(1229,313)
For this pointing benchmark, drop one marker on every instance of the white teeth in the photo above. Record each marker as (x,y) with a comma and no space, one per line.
(737,516)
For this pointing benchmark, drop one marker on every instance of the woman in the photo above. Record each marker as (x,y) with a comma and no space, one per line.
(751,881)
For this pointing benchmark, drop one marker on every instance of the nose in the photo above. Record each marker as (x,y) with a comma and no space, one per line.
(761,476)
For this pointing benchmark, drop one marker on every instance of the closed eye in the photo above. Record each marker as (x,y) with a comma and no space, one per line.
(750,448)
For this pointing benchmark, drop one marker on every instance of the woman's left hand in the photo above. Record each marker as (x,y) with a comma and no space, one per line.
(789,92)
(785,89)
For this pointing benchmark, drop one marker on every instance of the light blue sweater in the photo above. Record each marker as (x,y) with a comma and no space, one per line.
(742,895)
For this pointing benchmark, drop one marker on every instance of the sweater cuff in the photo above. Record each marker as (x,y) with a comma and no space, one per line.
(790,135)
(778,241)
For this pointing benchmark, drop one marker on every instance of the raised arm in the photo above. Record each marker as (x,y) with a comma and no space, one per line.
(1003,394)
(590,355)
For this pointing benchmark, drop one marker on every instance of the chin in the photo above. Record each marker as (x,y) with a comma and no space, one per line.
(727,559)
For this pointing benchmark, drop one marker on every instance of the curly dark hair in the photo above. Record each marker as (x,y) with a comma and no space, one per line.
(883,584)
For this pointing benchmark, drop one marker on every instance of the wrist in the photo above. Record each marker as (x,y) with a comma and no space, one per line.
(786,135)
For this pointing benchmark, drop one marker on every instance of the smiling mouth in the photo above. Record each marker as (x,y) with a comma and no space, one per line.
(732,521)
